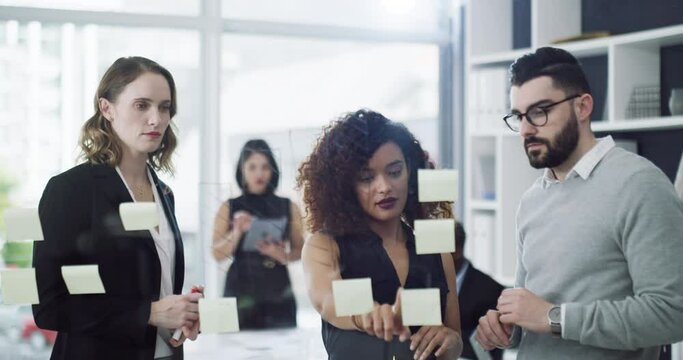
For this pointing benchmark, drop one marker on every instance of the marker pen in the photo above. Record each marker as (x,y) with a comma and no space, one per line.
(179,332)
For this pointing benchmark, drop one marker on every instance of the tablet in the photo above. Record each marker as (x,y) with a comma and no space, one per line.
(264,228)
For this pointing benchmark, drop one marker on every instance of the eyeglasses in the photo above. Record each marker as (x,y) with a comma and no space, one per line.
(536,116)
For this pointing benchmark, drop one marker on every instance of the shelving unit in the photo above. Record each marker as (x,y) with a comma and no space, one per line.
(498,171)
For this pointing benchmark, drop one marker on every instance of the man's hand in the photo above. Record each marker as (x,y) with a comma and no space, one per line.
(491,333)
(522,308)
(433,339)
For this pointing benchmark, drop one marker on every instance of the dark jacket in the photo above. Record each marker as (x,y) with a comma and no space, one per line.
(479,293)
(81,224)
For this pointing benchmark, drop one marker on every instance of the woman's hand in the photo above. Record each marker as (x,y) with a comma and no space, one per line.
(189,332)
(274,250)
(384,321)
(175,311)
(241,222)
(430,338)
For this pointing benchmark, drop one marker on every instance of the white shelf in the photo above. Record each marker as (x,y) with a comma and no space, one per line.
(502,58)
(586,48)
(632,60)
(624,125)
(665,36)
(650,124)
(485,205)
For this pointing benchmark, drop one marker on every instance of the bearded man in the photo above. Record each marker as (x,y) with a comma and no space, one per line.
(599,234)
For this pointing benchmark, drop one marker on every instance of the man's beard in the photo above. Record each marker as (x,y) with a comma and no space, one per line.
(557,151)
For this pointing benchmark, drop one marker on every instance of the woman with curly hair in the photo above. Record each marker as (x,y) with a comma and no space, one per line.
(360,192)
(124,143)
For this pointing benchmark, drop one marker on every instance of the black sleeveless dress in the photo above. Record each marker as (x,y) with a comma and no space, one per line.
(364,256)
(261,285)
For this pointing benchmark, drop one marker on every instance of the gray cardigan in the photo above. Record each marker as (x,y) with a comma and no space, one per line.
(609,248)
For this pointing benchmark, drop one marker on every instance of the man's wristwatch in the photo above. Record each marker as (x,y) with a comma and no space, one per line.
(555,320)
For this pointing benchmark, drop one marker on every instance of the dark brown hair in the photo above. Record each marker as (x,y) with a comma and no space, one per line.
(560,65)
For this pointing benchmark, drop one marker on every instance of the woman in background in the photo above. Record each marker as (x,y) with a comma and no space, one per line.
(360,191)
(124,143)
(258,276)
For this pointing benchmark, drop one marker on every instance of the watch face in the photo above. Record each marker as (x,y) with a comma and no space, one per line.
(555,314)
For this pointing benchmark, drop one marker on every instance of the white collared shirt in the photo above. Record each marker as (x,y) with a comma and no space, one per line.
(164,242)
(585,166)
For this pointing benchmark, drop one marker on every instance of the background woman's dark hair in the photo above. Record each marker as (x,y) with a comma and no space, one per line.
(261,147)
(328,176)
(560,65)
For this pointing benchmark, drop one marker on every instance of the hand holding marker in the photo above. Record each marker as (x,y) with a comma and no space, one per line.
(197,289)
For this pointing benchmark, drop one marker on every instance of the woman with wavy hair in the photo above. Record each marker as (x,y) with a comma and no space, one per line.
(124,143)
(360,192)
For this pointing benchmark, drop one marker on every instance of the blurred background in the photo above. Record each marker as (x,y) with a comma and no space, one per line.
(277,70)
(281,70)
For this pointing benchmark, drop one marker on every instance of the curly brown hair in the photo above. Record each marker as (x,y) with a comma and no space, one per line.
(328,176)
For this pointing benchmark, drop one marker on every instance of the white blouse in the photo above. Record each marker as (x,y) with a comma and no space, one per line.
(165,245)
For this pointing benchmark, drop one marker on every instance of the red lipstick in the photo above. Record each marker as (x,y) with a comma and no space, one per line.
(387,203)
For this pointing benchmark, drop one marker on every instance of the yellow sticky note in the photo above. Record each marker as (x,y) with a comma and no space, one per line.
(437,185)
(352,296)
(139,215)
(19,286)
(82,279)
(435,236)
(23,224)
(218,315)
(420,307)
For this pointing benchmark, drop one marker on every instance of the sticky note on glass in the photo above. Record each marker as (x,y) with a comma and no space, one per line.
(139,215)
(435,236)
(352,296)
(437,185)
(82,279)
(218,315)
(23,224)
(19,286)
(420,307)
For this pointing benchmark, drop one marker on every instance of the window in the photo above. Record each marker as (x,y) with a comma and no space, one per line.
(47,82)
(282,86)
(287,89)
(284,90)
(169,7)
(392,15)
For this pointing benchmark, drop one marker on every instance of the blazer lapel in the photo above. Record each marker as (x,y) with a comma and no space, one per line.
(168,203)
(114,192)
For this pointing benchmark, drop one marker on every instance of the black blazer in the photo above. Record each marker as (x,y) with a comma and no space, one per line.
(81,224)
(479,293)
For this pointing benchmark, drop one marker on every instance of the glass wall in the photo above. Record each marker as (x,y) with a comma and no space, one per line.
(284,90)
(276,83)
(48,77)
(168,7)
(392,15)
